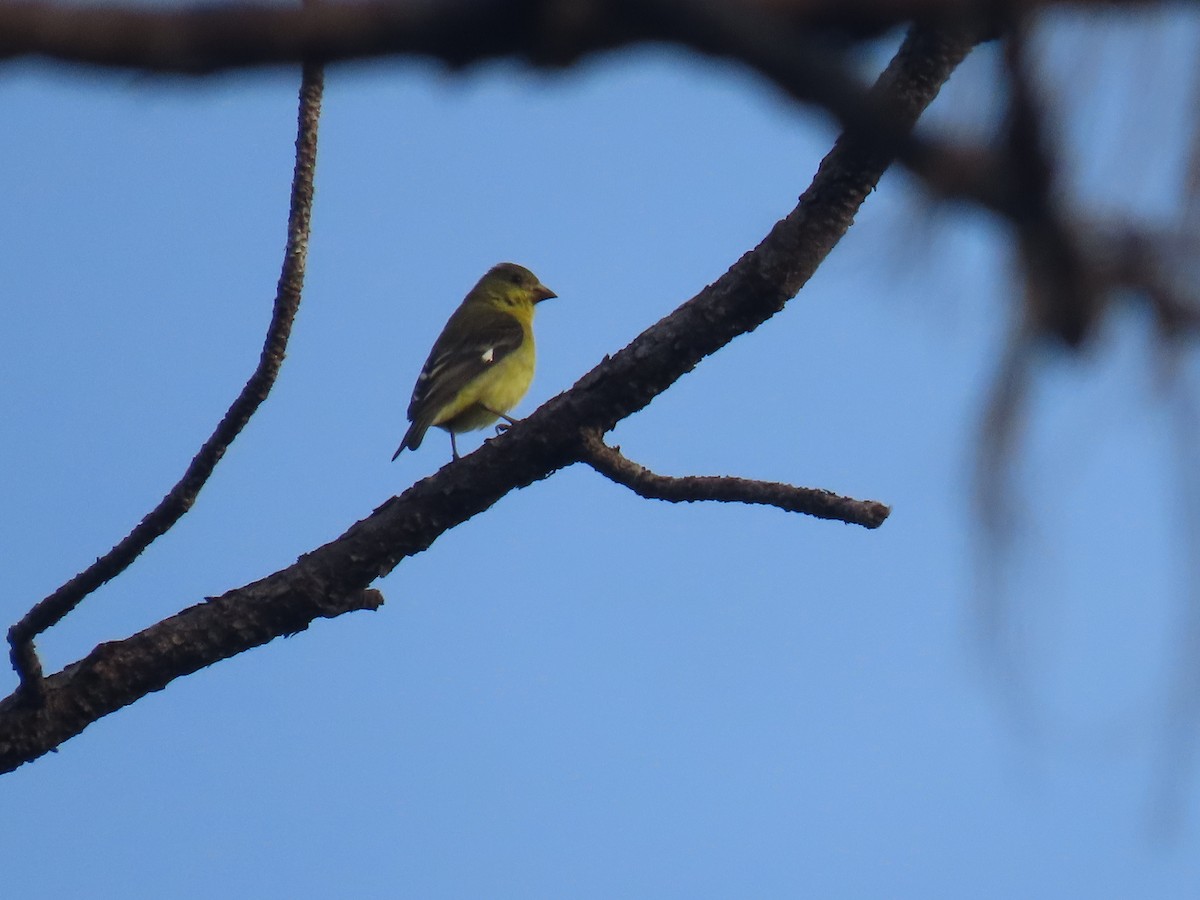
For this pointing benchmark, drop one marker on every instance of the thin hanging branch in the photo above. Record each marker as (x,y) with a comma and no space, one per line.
(610,463)
(336,578)
(180,498)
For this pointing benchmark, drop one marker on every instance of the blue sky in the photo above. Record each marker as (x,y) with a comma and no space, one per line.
(581,693)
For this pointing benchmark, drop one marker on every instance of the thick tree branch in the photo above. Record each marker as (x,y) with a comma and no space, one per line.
(610,463)
(785,41)
(117,673)
(181,497)
(203,39)
(335,578)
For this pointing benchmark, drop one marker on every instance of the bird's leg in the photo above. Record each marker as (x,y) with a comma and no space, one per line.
(509,421)
(453,446)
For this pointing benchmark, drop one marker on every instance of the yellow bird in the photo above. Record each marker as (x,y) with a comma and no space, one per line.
(482,363)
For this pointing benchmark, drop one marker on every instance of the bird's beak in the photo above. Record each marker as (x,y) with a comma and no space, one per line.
(541,292)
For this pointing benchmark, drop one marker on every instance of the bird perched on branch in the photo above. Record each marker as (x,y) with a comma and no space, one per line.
(482,363)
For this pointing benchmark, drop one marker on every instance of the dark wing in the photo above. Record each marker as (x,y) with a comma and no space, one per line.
(456,360)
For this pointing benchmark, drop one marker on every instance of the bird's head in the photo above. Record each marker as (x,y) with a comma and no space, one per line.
(508,284)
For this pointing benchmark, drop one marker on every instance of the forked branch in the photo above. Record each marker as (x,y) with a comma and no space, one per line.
(336,577)
(180,498)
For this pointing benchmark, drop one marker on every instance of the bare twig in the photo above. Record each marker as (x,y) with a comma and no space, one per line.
(609,462)
(181,497)
(333,578)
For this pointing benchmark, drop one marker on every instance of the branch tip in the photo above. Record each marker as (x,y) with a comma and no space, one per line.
(822,504)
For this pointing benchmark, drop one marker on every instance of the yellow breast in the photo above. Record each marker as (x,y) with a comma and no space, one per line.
(494,391)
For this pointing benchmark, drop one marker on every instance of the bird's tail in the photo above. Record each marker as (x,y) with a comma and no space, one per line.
(412,437)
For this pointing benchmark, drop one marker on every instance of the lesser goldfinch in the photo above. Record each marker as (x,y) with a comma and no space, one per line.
(482,363)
